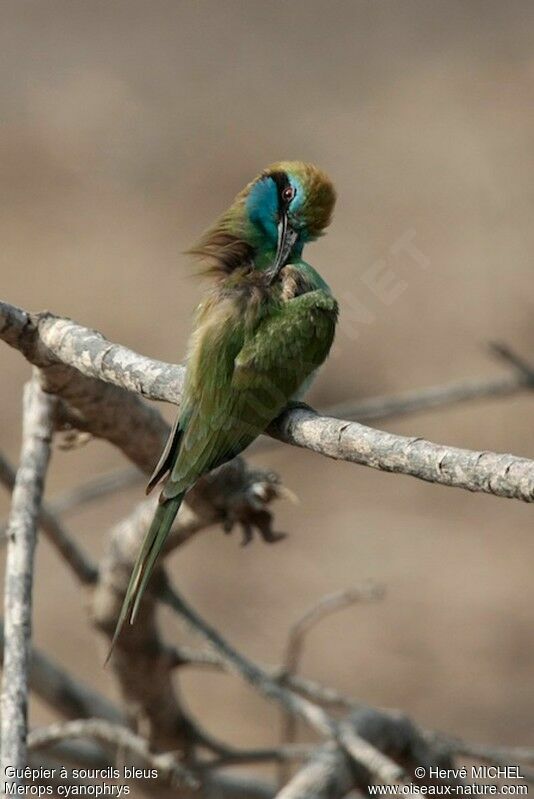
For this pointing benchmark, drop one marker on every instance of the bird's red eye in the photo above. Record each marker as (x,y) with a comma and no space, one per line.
(288,193)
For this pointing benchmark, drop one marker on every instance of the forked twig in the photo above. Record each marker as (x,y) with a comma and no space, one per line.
(166,764)
(375,761)
(327,605)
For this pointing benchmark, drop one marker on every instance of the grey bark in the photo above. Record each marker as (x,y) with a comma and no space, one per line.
(105,732)
(75,361)
(326,776)
(62,693)
(22,529)
(489,472)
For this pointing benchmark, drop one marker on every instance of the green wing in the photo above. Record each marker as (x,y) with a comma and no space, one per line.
(249,381)
(237,383)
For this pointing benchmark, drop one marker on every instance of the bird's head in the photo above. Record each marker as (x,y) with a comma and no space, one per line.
(289,204)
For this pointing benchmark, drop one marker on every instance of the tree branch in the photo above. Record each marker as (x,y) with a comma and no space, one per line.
(330,775)
(373,409)
(327,605)
(166,764)
(63,349)
(320,694)
(326,776)
(22,530)
(378,764)
(278,754)
(61,692)
(489,472)
(295,644)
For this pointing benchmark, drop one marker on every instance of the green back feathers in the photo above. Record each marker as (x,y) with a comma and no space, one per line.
(241,376)
(257,338)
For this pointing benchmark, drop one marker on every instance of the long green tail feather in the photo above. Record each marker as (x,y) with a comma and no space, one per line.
(144,565)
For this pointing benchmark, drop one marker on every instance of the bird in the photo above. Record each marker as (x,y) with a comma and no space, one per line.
(265,325)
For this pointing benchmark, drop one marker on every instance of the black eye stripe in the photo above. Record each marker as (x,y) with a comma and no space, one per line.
(282,183)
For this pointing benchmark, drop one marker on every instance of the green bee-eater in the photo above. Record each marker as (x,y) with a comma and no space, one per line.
(266,324)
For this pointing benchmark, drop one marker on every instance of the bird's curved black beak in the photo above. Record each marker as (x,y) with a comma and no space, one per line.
(286,239)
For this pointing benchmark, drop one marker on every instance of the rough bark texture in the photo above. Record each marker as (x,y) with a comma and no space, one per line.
(326,776)
(489,472)
(66,350)
(21,535)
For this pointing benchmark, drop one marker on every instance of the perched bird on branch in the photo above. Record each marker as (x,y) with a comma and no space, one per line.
(266,324)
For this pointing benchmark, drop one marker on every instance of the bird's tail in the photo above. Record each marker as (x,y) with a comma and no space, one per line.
(144,565)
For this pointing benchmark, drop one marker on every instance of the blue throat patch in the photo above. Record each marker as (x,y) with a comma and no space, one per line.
(262,210)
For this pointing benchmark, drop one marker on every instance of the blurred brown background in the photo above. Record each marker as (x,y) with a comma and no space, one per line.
(127,126)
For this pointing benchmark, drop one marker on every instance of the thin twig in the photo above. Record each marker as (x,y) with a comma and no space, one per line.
(380,765)
(327,605)
(425,399)
(277,754)
(183,656)
(319,693)
(327,775)
(252,673)
(509,356)
(37,432)
(95,489)
(105,732)
(331,603)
